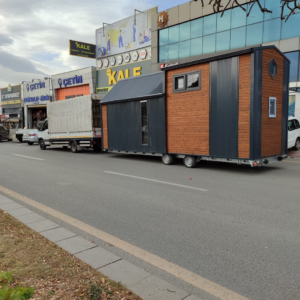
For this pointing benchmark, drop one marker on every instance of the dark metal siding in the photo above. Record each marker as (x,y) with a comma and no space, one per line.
(224,108)
(285,106)
(256,105)
(124,126)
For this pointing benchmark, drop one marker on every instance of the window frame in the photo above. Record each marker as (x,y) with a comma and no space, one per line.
(141,102)
(185,88)
(273,116)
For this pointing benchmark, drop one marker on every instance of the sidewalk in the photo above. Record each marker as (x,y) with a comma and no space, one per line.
(139,281)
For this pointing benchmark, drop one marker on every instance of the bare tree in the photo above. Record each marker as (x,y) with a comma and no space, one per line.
(222,5)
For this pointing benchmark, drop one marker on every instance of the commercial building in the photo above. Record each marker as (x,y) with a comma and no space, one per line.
(124,49)
(12,105)
(189,31)
(36,95)
(73,84)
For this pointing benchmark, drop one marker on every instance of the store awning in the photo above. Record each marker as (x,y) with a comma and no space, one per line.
(146,86)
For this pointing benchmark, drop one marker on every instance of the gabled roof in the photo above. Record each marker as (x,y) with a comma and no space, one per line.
(136,88)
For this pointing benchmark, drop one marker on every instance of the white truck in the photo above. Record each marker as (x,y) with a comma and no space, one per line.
(74,122)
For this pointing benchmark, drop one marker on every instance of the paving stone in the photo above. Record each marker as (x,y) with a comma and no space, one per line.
(30,218)
(5,200)
(76,244)
(20,212)
(97,257)
(191,297)
(124,272)
(57,234)
(43,225)
(10,206)
(154,288)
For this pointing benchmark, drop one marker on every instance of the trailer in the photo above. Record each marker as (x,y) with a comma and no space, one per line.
(74,122)
(231,107)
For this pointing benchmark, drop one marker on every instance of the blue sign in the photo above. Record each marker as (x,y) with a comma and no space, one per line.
(35,86)
(70,81)
(37,99)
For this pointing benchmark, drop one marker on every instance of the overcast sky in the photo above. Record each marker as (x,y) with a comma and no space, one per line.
(34,34)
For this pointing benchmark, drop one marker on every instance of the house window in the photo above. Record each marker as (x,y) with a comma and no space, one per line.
(144,115)
(272,107)
(187,82)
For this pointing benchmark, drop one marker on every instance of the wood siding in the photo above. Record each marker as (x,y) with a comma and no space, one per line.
(104,129)
(188,114)
(271,128)
(244,105)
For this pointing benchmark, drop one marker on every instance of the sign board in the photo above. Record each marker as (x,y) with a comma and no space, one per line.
(82,49)
(162,19)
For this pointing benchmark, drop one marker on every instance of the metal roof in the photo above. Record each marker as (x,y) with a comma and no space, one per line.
(135,88)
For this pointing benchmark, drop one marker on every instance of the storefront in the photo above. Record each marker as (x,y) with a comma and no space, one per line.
(124,50)
(12,105)
(73,84)
(37,94)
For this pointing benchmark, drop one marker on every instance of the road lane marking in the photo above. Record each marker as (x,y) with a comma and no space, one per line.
(158,181)
(196,280)
(28,157)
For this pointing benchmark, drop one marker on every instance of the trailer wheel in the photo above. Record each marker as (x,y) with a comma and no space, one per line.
(167,159)
(42,145)
(74,147)
(190,161)
(297,145)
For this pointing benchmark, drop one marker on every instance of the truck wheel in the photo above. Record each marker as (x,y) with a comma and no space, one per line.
(42,145)
(190,161)
(74,147)
(297,145)
(167,159)
(20,140)
(30,143)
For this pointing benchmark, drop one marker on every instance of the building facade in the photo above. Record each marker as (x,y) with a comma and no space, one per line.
(36,95)
(188,32)
(73,84)
(124,50)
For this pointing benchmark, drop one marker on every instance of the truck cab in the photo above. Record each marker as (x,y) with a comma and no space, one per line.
(43,134)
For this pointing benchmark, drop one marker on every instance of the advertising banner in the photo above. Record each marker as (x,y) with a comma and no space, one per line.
(82,49)
(126,35)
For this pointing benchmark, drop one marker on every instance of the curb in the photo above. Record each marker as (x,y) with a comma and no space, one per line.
(139,281)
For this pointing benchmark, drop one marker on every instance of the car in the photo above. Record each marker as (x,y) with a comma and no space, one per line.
(4,133)
(294,133)
(33,137)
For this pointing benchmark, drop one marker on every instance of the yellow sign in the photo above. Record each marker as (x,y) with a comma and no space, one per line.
(11,102)
(104,89)
(112,75)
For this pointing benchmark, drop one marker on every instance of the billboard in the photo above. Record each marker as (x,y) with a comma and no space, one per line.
(127,35)
(82,49)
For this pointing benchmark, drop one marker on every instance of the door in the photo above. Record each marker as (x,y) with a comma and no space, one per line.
(292,134)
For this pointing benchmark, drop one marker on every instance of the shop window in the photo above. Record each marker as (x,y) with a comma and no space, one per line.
(79,95)
(239,17)
(174,34)
(291,29)
(274,7)
(164,53)
(255,15)
(294,66)
(197,28)
(238,38)
(144,115)
(209,44)
(173,51)
(224,22)
(164,37)
(187,82)
(185,31)
(272,30)
(196,47)
(272,107)
(254,34)
(210,24)
(185,49)
(223,41)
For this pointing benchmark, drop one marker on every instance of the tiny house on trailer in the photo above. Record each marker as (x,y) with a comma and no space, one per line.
(231,107)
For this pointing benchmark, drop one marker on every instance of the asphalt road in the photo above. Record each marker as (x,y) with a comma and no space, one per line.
(243,232)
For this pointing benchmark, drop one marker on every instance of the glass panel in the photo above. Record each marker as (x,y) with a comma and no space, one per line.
(292,101)
(173,34)
(184,49)
(193,80)
(196,28)
(164,37)
(179,83)
(210,24)
(256,14)
(287,11)
(254,34)
(209,44)
(185,31)
(144,111)
(196,47)
(173,51)
(291,28)
(294,66)
(272,30)
(238,38)
(224,23)
(163,53)
(223,41)
(239,17)
(275,7)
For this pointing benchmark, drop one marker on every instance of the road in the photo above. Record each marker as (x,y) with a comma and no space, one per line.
(234,225)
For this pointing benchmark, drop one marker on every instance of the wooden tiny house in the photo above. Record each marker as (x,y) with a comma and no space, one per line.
(230,107)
